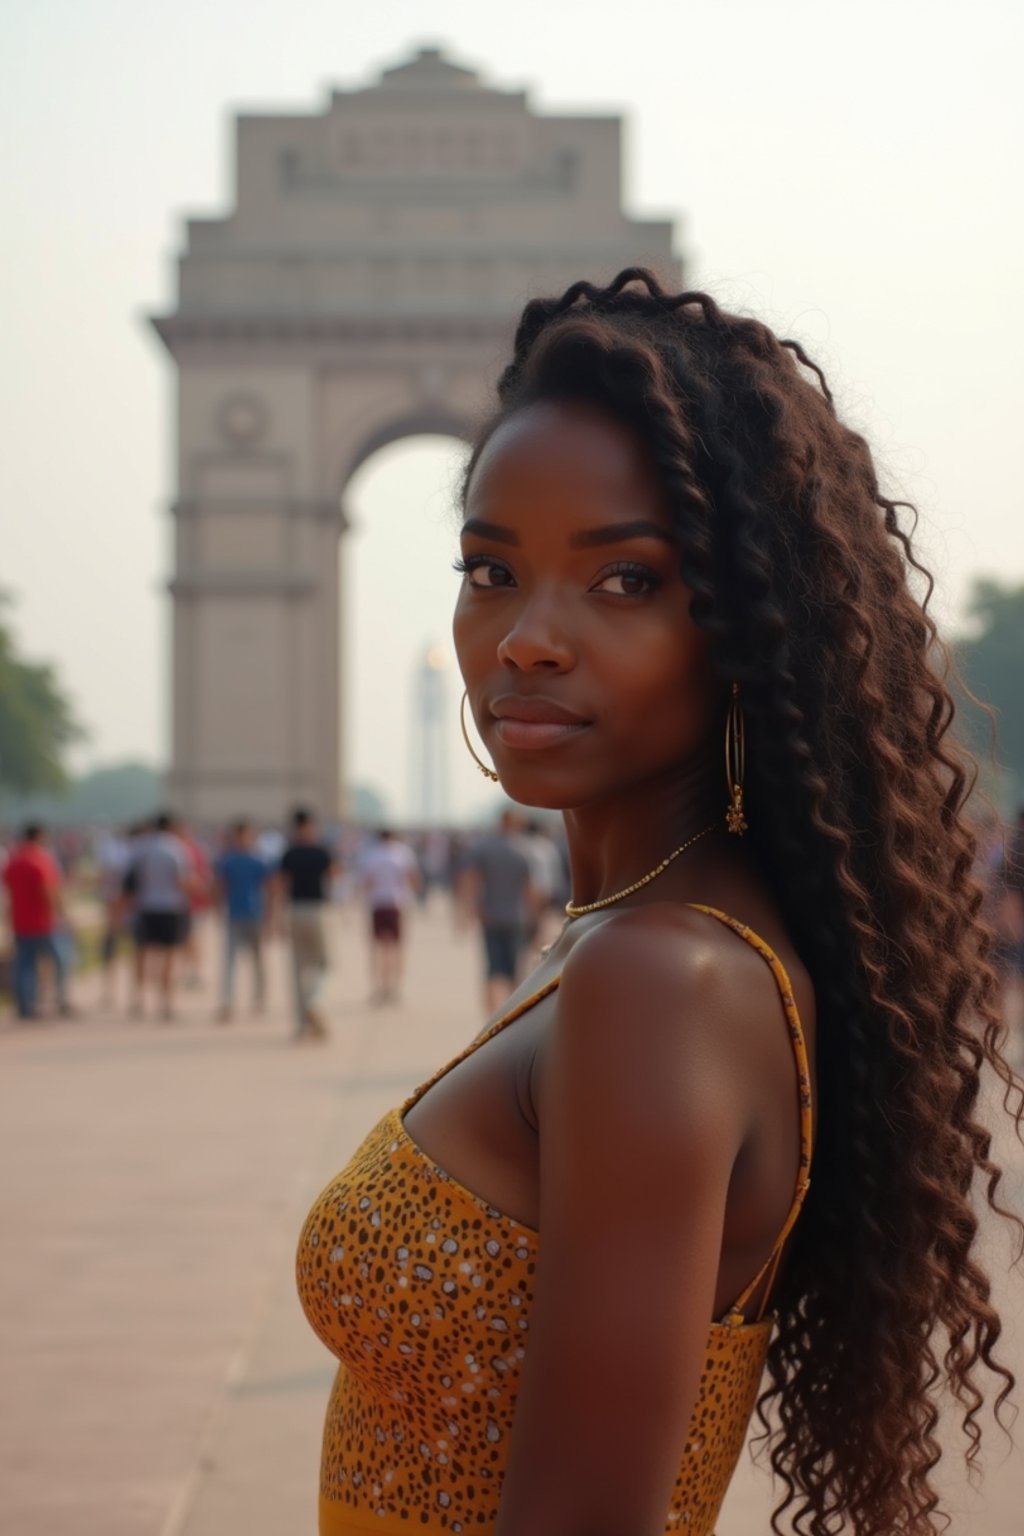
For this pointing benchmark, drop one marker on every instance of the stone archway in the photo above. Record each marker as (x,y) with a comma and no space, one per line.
(362,290)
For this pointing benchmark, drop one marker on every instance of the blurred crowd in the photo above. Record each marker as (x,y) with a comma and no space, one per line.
(135,909)
(130,908)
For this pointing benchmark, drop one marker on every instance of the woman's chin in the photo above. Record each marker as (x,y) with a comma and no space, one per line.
(541,792)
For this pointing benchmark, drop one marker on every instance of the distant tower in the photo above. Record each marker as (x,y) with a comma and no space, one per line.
(429,797)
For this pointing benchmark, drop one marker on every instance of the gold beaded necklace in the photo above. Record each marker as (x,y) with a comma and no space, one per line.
(572,910)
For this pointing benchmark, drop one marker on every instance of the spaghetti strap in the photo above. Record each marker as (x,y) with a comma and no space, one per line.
(509,1017)
(735,1315)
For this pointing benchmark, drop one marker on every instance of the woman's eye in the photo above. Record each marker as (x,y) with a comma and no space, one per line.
(628,581)
(480,572)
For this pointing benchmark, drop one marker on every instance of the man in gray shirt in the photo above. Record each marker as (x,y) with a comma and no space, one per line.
(496,885)
(158,881)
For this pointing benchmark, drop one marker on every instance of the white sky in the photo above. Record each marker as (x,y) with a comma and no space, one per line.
(851,173)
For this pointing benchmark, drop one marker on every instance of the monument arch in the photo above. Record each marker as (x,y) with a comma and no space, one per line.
(361,290)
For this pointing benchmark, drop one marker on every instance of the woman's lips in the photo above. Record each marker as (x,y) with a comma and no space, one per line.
(530,722)
(532,734)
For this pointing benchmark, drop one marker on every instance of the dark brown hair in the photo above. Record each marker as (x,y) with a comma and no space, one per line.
(803,576)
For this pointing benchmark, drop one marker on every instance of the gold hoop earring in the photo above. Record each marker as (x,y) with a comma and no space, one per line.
(735,753)
(488,773)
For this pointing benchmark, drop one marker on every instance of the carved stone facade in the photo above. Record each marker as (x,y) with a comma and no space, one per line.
(362,290)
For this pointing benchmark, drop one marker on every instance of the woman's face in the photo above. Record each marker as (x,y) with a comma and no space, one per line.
(585,672)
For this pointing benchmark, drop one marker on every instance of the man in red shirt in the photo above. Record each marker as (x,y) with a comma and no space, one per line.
(32,880)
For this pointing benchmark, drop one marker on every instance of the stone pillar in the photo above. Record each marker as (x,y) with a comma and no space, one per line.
(255,712)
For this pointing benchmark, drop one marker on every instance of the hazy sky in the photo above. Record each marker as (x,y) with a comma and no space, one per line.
(851,173)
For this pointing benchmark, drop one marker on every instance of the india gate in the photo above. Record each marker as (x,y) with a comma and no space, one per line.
(361,290)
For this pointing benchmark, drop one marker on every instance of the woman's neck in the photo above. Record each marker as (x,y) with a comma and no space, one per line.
(616,841)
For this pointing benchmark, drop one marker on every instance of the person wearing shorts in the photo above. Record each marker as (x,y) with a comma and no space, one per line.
(388,877)
(162,930)
(502,950)
(158,881)
(386,925)
(496,884)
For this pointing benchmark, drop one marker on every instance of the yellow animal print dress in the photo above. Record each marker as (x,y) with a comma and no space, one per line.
(423,1292)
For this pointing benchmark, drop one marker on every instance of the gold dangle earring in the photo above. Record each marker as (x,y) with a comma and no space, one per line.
(488,773)
(734,763)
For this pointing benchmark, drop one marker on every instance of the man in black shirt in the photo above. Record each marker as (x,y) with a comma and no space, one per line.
(304,877)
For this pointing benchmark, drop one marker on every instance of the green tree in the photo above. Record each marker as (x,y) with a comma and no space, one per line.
(119,792)
(122,792)
(37,723)
(991,662)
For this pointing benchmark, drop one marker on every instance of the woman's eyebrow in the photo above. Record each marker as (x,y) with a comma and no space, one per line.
(587,538)
(615,533)
(495,531)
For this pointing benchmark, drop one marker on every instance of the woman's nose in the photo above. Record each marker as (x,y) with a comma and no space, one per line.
(537,639)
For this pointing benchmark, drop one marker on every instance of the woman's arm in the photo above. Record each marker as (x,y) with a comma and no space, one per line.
(642,1115)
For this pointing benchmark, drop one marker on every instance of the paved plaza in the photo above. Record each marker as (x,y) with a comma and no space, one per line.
(158,1378)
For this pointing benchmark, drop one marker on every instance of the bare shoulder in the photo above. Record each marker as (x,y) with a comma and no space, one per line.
(653,1018)
(658,964)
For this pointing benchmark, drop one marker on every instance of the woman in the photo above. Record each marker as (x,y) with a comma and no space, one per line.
(554,1275)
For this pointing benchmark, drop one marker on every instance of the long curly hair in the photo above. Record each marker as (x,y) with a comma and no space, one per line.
(804,578)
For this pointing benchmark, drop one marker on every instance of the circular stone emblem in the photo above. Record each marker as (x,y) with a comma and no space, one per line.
(242,418)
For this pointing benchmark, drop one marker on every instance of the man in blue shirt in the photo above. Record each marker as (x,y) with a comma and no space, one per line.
(241,884)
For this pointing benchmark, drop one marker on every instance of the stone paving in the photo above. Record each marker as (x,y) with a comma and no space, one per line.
(158,1378)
